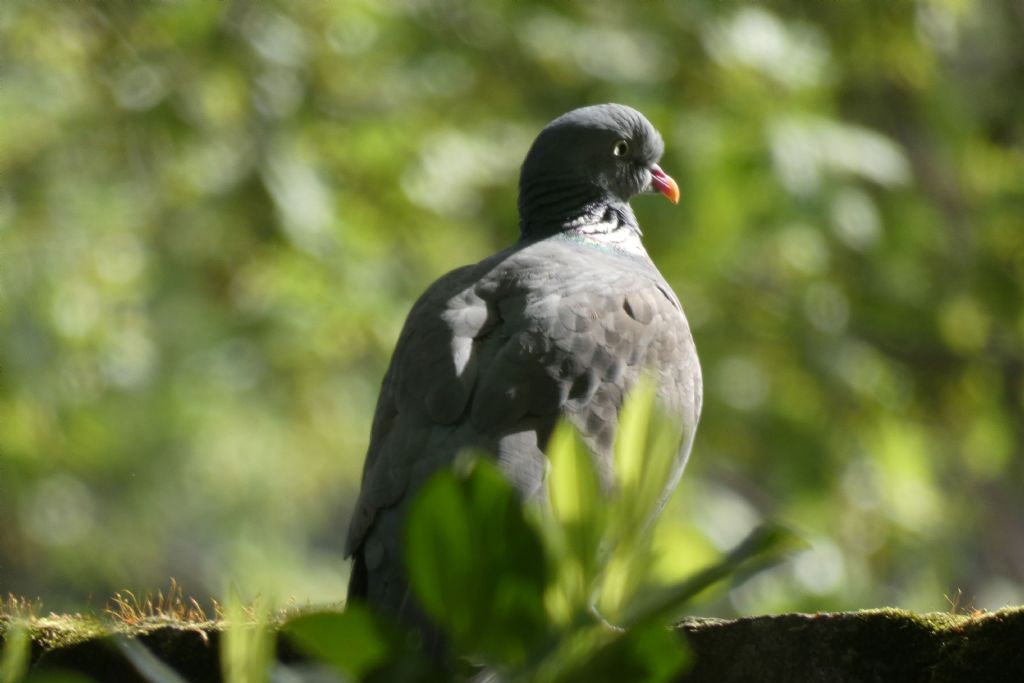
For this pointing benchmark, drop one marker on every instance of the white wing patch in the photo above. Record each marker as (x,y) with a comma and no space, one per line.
(462,352)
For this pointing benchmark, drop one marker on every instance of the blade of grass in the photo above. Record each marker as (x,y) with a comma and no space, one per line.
(146,663)
(248,645)
(17,648)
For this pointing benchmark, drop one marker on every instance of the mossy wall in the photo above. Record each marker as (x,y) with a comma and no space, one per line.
(873,645)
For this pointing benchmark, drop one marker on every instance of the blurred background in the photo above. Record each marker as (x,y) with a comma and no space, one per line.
(214,216)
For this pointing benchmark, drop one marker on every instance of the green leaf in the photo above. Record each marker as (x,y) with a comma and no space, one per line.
(631,438)
(646,455)
(764,545)
(650,654)
(646,452)
(475,563)
(440,550)
(576,525)
(573,488)
(355,642)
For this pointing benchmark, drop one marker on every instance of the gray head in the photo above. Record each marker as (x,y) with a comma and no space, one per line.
(586,162)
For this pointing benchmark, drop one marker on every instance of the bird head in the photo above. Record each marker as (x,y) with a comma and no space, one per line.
(601,154)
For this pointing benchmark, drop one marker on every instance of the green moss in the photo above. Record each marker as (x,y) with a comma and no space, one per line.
(934,622)
(988,647)
(877,644)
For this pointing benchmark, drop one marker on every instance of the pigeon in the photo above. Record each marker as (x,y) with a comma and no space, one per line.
(561,324)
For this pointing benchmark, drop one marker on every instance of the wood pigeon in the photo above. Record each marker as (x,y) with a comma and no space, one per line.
(562,323)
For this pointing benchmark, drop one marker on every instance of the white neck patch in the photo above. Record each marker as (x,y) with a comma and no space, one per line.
(611,234)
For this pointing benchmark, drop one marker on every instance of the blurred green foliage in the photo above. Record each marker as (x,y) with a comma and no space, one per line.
(215,215)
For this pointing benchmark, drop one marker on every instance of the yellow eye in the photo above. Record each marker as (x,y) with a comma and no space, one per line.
(620,148)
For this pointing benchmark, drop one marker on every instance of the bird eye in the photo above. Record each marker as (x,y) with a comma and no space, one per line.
(620,148)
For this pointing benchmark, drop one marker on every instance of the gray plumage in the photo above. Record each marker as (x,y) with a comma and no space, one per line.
(564,322)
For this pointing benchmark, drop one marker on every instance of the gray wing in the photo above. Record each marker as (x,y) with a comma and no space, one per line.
(490,356)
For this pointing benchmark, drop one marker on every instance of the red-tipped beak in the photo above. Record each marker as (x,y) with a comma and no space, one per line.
(663,183)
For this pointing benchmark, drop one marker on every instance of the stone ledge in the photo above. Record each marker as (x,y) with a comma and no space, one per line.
(867,646)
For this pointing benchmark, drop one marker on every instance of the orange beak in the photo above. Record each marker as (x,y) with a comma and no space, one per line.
(663,183)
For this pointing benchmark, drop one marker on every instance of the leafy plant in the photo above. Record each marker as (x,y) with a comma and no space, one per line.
(530,593)
(477,565)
